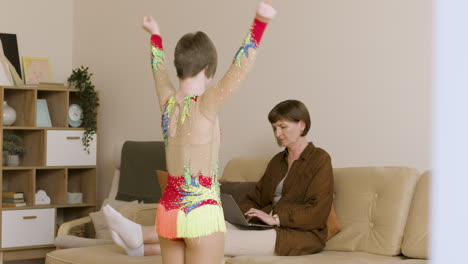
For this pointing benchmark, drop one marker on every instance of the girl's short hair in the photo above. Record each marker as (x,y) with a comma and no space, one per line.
(193,53)
(291,110)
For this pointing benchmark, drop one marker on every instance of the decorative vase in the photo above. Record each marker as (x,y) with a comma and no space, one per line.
(13,160)
(9,114)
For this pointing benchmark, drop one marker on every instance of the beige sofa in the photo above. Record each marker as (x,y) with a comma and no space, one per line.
(383,211)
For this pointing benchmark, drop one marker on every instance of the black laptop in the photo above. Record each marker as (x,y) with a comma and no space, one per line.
(234,215)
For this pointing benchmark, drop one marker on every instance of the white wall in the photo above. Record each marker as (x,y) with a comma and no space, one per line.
(448,243)
(43,29)
(362,67)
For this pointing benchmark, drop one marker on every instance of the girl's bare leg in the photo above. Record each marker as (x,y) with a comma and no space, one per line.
(172,252)
(205,250)
(152,249)
(149,234)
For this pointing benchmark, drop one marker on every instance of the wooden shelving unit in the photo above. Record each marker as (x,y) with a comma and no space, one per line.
(35,171)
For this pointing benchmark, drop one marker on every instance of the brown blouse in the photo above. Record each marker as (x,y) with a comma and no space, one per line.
(305,203)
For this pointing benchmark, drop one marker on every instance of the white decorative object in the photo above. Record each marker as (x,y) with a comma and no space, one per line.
(74,198)
(75,115)
(9,114)
(41,197)
(12,160)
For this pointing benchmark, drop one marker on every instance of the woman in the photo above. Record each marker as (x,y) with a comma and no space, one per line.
(190,220)
(294,195)
(296,192)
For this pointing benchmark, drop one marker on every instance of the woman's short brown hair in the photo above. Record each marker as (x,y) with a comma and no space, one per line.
(195,52)
(293,111)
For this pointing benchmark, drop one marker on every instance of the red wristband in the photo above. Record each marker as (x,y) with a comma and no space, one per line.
(258,27)
(156,41)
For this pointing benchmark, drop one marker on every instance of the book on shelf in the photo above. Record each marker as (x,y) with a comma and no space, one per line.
(13,195)
(12,200)
(13,204)
(51,85)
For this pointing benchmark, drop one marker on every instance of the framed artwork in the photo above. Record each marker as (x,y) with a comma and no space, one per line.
(43,116)
(10,49)
(5,75)
(14,74)
(36,70)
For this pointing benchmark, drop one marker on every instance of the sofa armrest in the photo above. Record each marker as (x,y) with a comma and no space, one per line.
(143,214)
(75,227)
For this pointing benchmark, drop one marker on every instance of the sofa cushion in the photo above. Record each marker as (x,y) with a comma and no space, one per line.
(416,239)
(143,214)
(372,205)
(100,225)
(333,225)
(324,257)
(238,190)
(99,221)
(162,179)
(245,169)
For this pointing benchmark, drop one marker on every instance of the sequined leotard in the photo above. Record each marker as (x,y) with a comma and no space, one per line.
(190,206)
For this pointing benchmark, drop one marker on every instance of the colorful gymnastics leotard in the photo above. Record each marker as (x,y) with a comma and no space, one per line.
(190,205)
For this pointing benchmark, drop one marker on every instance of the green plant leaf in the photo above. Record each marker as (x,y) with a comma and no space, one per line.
(81,79)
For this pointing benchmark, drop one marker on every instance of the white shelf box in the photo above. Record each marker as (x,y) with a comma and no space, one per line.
(65,148)
(32,227)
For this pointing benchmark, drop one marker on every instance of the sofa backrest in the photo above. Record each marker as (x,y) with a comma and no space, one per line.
(245,169)
(372,203)
(416,238)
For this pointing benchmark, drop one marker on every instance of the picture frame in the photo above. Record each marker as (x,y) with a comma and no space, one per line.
(36,70)
(43,116)
(14,74)
(11,51)
(5,74)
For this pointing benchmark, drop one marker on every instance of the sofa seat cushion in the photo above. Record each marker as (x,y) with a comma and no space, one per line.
(104,254)
(325,257)
(372,205)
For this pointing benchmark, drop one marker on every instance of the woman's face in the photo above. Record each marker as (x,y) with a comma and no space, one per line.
(286,132)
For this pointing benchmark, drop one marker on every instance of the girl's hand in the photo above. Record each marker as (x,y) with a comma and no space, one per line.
(150,25)
(266,218)
(265,12)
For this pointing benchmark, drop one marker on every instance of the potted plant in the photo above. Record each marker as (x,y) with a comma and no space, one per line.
(89,101)
(13,149)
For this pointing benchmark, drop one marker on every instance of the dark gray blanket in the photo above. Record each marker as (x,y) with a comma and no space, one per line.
(140,160)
